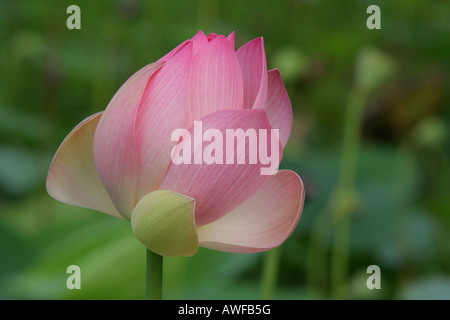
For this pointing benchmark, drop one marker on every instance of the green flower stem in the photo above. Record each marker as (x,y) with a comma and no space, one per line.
(344,200)
(270,273)
(153,284)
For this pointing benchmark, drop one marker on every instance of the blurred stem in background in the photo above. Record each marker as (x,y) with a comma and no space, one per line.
(372,69)
(270,273)
(153,285)
(339,211)
(344,198)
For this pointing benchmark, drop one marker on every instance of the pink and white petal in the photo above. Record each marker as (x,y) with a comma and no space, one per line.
(72,177)
(252,58)
(162,110)
(278,107)
(115,150)
(218,188)
(262,222)
(199,41)
(216,81)
(231,38)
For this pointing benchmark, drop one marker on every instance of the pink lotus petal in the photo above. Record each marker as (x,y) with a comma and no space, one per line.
(216,81)
(278,107)
(72,177)
(252,58)
(218,188)
(115,151)
(231,39)
(263,221)
(162,110)
(199,41)
(211,36)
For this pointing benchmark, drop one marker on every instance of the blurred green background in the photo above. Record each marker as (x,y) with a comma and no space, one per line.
(370,140)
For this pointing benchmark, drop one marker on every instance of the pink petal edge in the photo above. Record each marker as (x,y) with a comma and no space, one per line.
(161,111)
(216,81)
(264,221)
(278,107)
(72,177)
(199,41)
(231,38)
(115,150)
(252,58)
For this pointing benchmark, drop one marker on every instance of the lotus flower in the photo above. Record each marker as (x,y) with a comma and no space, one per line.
(119,161)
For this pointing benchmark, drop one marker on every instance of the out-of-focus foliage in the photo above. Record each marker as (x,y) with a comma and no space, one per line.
(51,78)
